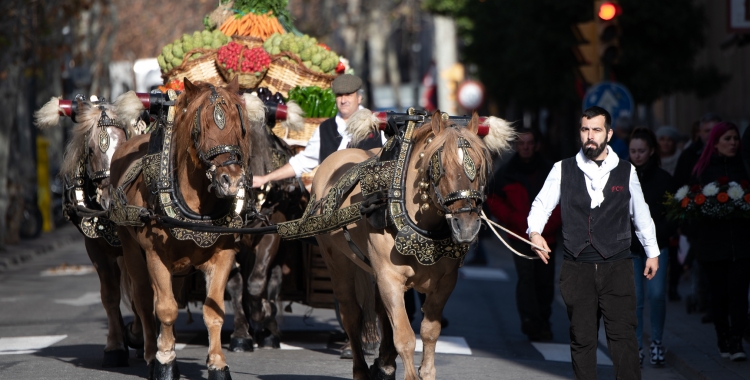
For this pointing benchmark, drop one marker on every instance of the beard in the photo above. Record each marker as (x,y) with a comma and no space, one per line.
(593,152)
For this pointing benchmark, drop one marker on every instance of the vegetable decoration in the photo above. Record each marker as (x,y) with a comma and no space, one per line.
(251,24)
(172,55)
(316,57)
(261,7)
(237,58)
(314,101)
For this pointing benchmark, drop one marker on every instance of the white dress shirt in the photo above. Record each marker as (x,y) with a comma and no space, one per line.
(308,159)
(548,198)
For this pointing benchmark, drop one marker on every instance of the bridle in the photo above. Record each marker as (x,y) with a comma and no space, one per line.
(235,153)
(436,171)
(103,126)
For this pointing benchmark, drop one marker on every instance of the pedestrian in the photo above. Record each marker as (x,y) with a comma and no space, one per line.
(722,246)
(655,183)
(669,151)
(330,135)
(600,196)
(510,202)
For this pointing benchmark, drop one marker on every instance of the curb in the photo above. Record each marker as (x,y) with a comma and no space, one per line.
(29,249)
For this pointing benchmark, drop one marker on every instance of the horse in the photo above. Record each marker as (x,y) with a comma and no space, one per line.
(445,172)
(192,172)
(100,129)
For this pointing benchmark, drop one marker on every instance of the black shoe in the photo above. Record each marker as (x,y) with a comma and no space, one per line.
(657,353)
(724,346)
(736,352)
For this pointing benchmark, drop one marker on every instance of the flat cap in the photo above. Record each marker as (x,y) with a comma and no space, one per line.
(346,84)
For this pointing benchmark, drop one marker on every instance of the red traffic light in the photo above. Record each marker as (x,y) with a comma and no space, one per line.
(608,11)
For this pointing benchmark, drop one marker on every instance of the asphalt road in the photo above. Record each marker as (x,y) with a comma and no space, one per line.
(54,327)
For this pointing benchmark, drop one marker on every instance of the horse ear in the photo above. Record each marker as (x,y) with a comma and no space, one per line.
(234,85)
(473,125)
(191,90)
(437,120)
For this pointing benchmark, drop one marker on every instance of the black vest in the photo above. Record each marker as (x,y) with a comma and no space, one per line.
(330,139)
(607,227)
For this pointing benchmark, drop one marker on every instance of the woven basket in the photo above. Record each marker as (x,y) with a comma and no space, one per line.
(298,137)
(246,80)
(283,76)
(248,41)
(201,69)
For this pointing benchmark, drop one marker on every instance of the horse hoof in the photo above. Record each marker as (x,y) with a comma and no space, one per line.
(346,353)
(271,341)
(241,344)
(219,374)
(139,353)
(130,339)
(115,358)
(377,372)
(169,371)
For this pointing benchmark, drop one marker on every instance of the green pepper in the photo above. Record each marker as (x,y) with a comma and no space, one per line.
(314,105)
(331,102)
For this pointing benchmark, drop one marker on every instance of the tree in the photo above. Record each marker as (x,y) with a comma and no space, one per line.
(659,42)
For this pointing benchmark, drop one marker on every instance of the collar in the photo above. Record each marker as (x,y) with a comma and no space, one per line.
(610,161)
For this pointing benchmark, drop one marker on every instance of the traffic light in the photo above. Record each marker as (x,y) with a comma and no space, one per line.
(608,29)
(587,52)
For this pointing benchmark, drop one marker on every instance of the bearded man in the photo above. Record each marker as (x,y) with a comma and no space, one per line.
(599,196)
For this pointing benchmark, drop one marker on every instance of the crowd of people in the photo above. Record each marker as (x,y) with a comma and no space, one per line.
(530,195)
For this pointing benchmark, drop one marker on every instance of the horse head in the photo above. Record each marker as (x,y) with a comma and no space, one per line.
(210,133)
(456,162)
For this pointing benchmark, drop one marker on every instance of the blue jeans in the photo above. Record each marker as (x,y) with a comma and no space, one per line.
(656,289)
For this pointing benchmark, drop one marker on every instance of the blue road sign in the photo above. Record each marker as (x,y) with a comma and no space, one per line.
(612,96)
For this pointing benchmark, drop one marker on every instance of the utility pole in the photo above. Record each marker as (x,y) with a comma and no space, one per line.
(446,58)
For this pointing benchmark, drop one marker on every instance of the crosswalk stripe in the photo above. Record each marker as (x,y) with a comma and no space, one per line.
(88,299)
(558,352)
(27,344)
(453,345)
(484,274)
(304,346)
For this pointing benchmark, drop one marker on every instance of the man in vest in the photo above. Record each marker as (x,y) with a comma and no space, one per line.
(330,135)
(599,196)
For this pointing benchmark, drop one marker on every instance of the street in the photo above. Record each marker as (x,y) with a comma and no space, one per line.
(52,326)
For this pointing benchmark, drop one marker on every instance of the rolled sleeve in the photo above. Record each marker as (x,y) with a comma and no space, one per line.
(546,201)
(645,230)
(306,160)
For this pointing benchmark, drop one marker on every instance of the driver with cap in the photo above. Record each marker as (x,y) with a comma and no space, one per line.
(330,135)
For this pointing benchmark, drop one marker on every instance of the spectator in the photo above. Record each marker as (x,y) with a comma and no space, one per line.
(722,246)
(510,203)
(668,138)
(655,182)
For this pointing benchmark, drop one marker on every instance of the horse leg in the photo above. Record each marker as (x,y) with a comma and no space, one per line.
(384,367)
(274,297)
(165,305)
(260,308)
(430,329)
(217,272)
(142,295)
(342,277)
(105,262)
(241,341)
(391,286)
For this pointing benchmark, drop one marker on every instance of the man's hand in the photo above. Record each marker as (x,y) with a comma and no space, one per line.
(259,180)
(537,239)
(652,265)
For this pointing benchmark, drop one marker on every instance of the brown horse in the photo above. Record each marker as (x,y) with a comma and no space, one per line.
(100,129)
(437,175)
(202,181)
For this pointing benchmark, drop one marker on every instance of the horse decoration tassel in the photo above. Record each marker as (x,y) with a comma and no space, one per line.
(383,184)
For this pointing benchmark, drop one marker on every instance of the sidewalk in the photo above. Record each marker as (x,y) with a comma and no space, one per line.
(691,346)
(27,249)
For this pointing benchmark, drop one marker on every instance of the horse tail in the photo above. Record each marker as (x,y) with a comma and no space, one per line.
(126,286)
(500,135)
(360,125)
(364,287)
(49,115)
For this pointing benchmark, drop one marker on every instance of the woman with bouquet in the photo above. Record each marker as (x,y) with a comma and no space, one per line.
(721,233)
(655,182)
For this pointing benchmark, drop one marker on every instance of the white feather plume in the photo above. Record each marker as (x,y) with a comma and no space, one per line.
(360,125)
(500,135)
(294,120)
(48,116)
(128,108)
(255,110)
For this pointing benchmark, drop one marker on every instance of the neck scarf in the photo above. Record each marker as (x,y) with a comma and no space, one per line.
(597,175)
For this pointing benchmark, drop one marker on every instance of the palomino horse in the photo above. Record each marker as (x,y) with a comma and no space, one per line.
(446,171)
(198,176)
(100,129)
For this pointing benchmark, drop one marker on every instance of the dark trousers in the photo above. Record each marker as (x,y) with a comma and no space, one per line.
(603,290)
(535,289)
(728,283)
(675,271)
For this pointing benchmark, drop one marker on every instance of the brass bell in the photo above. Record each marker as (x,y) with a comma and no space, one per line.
(421,154)
(420,170)
(440,213)
(424,197)
(429,140)
(425,206)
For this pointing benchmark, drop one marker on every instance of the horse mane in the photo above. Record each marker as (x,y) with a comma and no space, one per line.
(87,119)
(259,159)
(183,126)
(448,140)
